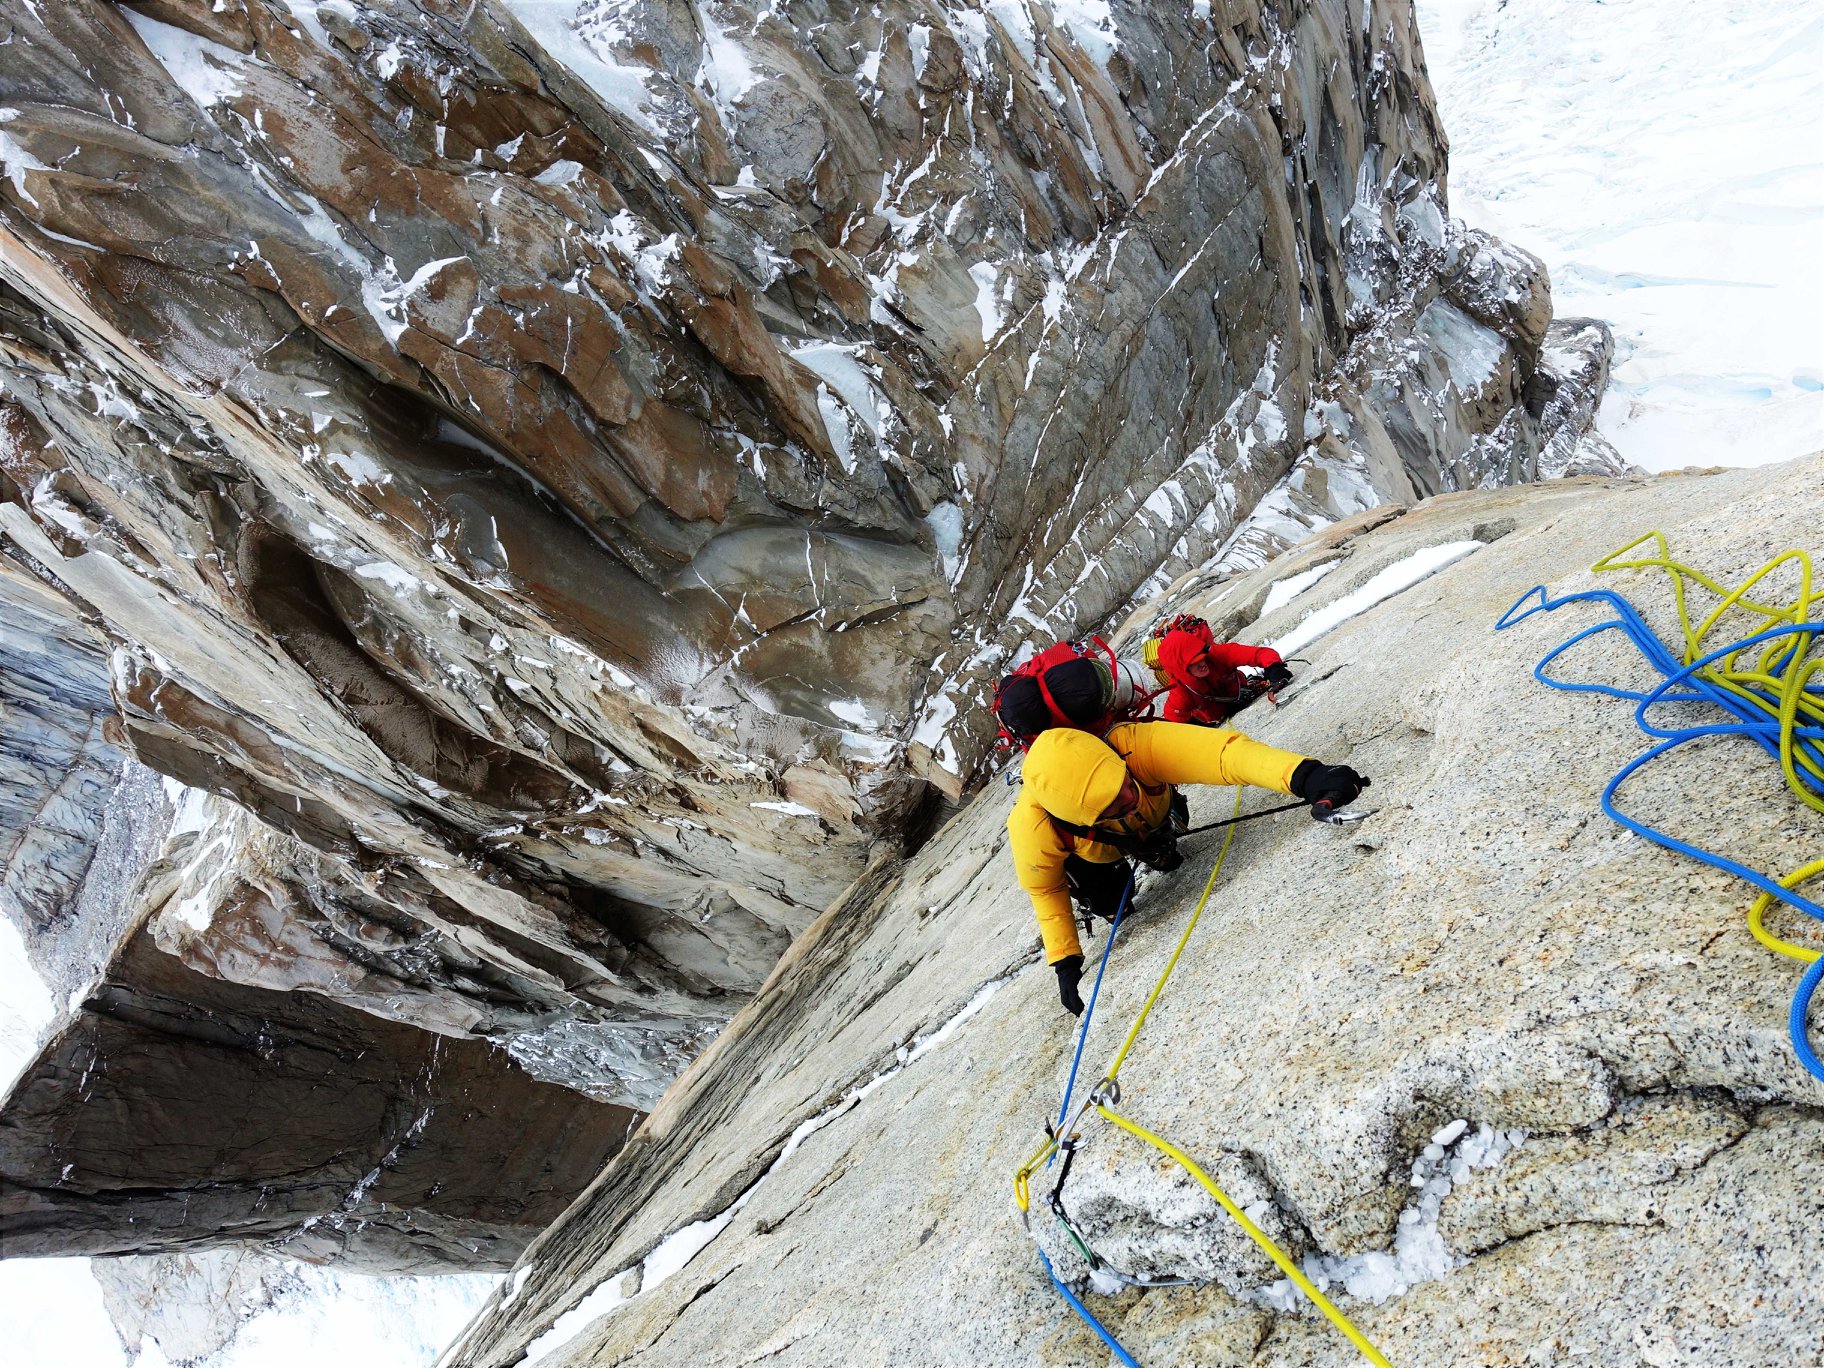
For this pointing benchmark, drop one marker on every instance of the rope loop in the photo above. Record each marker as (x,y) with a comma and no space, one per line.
(1771,697)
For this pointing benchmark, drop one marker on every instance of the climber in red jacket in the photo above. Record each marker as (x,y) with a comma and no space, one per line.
(1206,687)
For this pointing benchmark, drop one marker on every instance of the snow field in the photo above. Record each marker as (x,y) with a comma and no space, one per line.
(56,1319)
(1663,158)
(26,1007)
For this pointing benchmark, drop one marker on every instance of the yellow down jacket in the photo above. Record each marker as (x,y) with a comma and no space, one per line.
(1159,755)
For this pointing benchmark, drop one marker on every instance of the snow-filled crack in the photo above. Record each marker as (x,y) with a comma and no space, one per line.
(1418,1253)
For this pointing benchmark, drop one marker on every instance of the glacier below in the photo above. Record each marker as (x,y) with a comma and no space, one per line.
(1661,158)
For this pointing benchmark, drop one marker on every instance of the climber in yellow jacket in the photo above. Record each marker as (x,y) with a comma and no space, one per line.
(1086,803)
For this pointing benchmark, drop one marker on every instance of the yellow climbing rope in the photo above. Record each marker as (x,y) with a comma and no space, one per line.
(1765,901)
(1753,684)
(1022,1179)
(1133,1032)
(1255,1233)
(1789,685)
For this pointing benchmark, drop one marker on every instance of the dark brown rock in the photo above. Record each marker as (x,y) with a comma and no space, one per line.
(180,1111)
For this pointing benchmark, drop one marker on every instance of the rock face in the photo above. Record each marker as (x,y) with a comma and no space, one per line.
(179,1111)
(56,766)
(1638,1177)
(575,503)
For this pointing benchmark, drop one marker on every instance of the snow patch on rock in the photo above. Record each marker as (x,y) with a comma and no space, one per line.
(1284,591)
(1403,574)
(1419,1253)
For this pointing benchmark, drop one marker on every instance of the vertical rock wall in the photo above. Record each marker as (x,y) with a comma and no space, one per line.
(56,766)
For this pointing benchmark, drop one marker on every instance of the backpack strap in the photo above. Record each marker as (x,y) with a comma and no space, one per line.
(1120,840)
(1141,848)
(1051,704)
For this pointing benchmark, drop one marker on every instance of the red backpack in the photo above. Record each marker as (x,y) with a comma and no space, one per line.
(1066,685)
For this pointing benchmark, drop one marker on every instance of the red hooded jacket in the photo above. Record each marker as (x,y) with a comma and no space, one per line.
(1212,699)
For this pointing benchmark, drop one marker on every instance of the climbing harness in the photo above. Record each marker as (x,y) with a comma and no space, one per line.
(1771,696)
(1064,1138)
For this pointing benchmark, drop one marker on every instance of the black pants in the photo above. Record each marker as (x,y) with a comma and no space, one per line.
(1097,887)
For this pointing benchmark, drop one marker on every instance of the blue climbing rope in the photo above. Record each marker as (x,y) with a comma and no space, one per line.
(1795,1021)
(1765,730)
(1088,1318)
(1090,1011)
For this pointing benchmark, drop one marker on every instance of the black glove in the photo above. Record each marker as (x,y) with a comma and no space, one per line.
(1161,852)
(1277,676)
(1070,974)
(1327,787)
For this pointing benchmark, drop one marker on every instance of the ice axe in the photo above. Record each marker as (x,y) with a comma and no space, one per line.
(1326,811)
(1344,818)
(1322,811)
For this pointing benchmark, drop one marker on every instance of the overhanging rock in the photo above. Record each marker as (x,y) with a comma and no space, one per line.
(177,1111)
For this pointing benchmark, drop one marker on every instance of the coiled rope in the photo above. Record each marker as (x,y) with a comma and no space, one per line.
(1102,1098)
(1772,696)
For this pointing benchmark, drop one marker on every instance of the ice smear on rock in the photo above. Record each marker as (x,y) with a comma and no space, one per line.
(1419,1253)
(1400,575)
(609,1061)
(207,71)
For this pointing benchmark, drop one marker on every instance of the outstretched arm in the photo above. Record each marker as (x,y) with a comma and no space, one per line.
(1233,653)
(1176,753)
